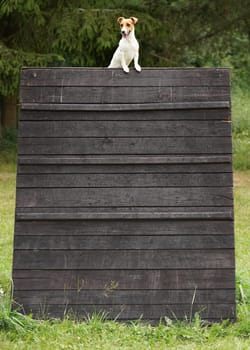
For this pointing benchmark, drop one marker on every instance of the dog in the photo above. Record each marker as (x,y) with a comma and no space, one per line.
(128,48)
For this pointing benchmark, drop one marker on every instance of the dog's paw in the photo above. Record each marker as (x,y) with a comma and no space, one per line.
(126,69)
(138,68)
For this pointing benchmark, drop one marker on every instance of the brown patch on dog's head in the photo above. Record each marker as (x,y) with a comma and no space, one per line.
(127,25)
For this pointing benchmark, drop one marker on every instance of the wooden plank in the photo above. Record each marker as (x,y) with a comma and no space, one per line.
(116,77)
(123,279)
(124,180)
(123,227)
(95,95)
(120,297)
(128,312)
(124,128)
(107,197)
(108,145)
(134,242)
(123,115)
(124,259)
(124,106)
(126,213)
(138,115)
(200,94)
(46,166)
(126,94)
(184,162)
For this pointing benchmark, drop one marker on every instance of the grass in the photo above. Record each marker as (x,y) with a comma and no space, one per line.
(241,128)
(24,333)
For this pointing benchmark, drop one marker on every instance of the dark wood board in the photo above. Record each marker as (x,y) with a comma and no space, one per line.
(125,145)
(57,165)
(124,259)
(133,279)
(123,180)
(116,77)
(115,296)
(124,194)
(217,114)
(131,128)
(124,197)
(121,95)
(123,227)
(134,242)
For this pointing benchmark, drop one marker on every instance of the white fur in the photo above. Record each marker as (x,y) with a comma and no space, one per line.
(127,51)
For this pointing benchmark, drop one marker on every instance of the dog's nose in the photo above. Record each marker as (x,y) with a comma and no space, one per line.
(123,32)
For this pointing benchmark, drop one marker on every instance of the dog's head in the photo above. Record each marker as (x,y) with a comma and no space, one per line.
(127,25)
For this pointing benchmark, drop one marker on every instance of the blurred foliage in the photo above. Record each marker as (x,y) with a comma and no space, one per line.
(85,33)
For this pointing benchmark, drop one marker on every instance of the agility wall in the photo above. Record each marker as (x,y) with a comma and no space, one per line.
(124,194)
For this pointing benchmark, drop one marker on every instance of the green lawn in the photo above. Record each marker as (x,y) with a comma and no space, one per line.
(23,333)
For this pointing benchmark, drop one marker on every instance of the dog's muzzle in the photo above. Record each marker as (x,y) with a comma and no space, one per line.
(125,34)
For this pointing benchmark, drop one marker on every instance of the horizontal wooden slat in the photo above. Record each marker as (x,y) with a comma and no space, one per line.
(107,197)
(134,242)
(183,163)
(116,77)
(126,94)
(120,297)
(123,227)
(124,128)
(130,312)
(108,145)
(123,180)
(101,95)
(34,106)
(64,168)
(221,213)
(124,259)
(219,114)
(123,279)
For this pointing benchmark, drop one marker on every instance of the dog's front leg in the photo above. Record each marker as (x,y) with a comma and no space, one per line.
(123,63)
(137,66)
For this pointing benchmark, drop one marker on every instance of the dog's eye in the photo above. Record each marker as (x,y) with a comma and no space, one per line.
(128,24)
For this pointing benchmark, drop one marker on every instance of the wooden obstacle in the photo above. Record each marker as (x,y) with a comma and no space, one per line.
(124,194)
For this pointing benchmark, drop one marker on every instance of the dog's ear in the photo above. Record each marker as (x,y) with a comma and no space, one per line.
(134,19)
(120,19)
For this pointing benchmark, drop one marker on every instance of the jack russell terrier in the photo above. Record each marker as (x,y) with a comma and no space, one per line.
(128,48)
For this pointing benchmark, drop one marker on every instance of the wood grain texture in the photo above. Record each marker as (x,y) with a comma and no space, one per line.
(216,114)
(124,259)
(123,227)
(123,180)
(134,242)
(125,145)
(131,128)
(133,279)
(124,197)
(119,95)
(118,107)
(121,297)
(57,165)
(125,213)
(124,194)
(116,77)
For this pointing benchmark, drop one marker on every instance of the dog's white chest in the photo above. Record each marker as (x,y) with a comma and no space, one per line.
(128,49)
